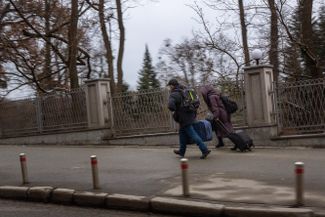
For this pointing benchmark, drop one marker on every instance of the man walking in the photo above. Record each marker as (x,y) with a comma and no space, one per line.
(185,118)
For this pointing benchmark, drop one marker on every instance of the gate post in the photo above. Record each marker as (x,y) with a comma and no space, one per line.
(258,94)
(97,99)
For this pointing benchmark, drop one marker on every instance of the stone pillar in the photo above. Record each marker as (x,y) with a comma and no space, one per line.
(259,99)
(98,107)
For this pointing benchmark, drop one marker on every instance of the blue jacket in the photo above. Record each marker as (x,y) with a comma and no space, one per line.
(181,115)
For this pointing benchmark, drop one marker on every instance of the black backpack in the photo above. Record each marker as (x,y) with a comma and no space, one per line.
(230,105)
(190,99)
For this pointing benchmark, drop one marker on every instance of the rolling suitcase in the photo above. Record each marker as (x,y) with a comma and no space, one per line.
(241,140)
(204,129)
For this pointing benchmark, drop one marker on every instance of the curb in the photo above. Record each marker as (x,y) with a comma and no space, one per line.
(89,199)
(13,192)
(319,214)
(40,194)
(128,202)
(164,205)
(268,212)
(63,195)
(184,207)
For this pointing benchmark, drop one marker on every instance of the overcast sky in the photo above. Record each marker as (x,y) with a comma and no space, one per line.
(151,24)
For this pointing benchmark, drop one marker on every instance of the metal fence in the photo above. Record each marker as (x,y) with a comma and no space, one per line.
(50,113)
(142,112)
(300,107)
(146,112)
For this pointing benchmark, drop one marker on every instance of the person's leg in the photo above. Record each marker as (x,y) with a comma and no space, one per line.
(217,131)
(197,139)
(220,142)
(182,142)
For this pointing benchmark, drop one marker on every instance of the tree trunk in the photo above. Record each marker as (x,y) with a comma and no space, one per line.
(273,53)
(121,46)
(3,13)
(47,62)
(244,32)
(107,44)
(73,42)
(307,39)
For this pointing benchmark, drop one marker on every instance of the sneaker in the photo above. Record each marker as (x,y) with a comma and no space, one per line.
(205,154)
(178,153)
(220,145)
(233,148)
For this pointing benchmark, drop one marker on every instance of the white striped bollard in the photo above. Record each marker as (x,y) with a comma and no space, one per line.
(299,171)
(23,165)
(185,184)
(94,169)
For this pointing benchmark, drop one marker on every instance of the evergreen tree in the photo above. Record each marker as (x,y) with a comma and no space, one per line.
(125,87)
(292,56)
(297,63)
(147,75)
(321,37)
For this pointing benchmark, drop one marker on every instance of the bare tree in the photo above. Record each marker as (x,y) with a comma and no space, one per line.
(274,40)
(188,60)
(218,42)
(244,32)
(47,62)
(4,10)
(73,43)
(36,44)
(121,45)
(307,38)
(107,43)
(110,18)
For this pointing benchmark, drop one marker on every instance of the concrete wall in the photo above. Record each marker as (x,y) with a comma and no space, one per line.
(261,136)
(88,137)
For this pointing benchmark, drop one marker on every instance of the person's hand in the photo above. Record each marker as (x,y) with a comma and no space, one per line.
(209,116)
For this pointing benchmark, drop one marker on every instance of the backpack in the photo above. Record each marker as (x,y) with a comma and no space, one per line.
(230,105)
(190,99)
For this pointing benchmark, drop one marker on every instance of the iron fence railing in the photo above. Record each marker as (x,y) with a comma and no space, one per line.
(133,113)
(142,112)
(43,114)
(146,112)
(300,107)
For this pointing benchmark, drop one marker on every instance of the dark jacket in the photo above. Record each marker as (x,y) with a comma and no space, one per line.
(181,115)
(215,105)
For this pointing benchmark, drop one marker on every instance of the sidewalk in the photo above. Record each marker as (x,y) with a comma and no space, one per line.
(256,181)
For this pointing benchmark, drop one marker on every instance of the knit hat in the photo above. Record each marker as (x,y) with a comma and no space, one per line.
(173,82)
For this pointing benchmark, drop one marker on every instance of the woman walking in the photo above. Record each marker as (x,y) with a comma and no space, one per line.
(212,99)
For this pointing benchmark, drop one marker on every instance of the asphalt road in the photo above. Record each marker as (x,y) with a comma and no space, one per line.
(27,209)
(150,171)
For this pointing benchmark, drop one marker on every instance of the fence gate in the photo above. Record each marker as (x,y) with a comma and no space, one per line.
(300,107)
(141,112)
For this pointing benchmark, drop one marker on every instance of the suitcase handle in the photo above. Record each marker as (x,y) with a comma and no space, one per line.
(224,128)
